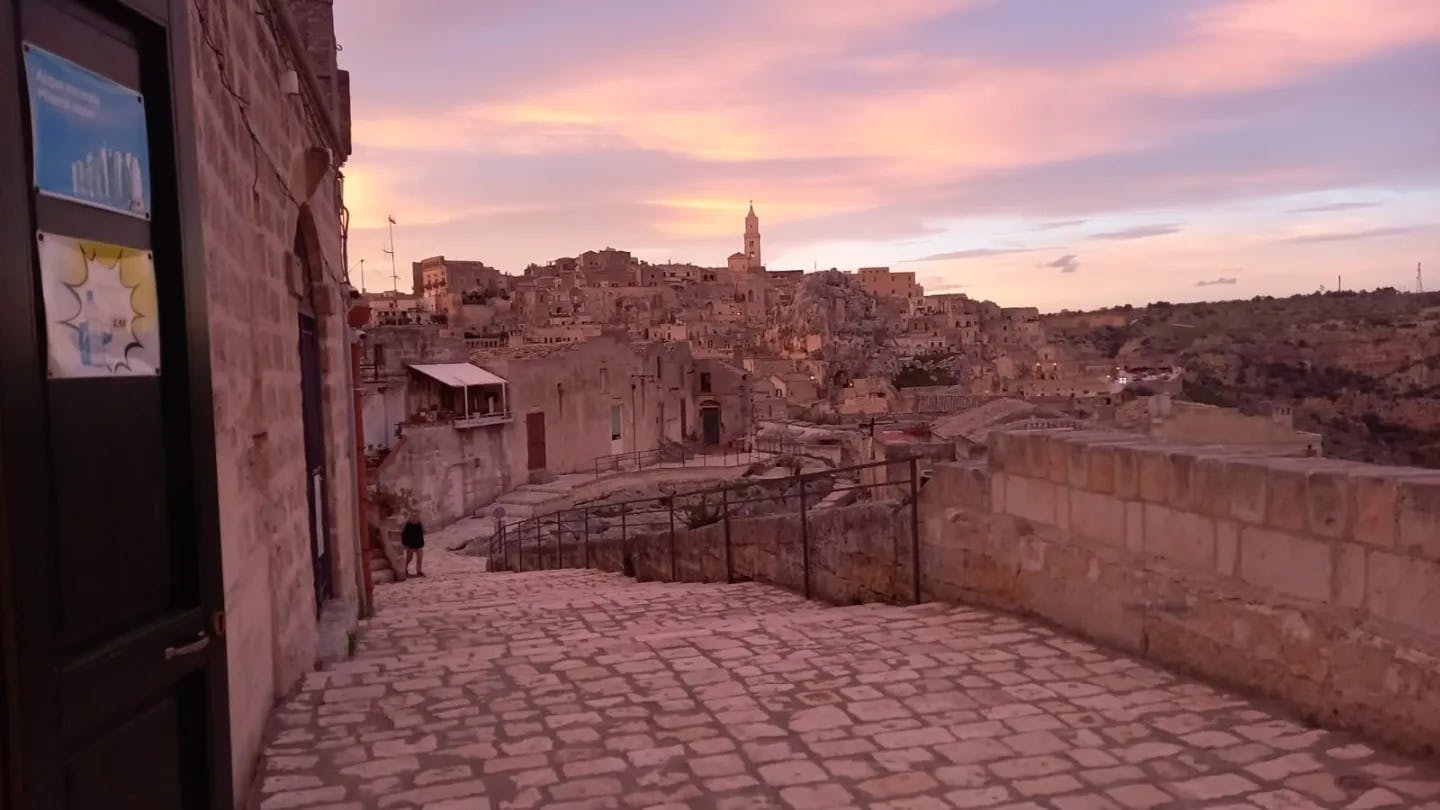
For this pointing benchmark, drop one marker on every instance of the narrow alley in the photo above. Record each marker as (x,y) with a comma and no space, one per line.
(584,689)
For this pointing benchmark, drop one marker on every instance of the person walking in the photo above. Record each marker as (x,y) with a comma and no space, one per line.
(412,537)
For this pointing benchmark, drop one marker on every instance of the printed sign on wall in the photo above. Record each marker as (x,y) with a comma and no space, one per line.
(101,314)
(89,134)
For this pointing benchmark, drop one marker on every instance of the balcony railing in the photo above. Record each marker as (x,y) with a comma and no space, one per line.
(482,420)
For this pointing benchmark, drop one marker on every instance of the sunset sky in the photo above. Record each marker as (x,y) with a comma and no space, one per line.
(1056,153)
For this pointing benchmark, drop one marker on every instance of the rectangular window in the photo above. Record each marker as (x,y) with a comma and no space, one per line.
(704,382)
(604,377)
(615,422)
(659,368)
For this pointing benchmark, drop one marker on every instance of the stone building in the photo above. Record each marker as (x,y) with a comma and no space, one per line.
(881,282)
(188,526)
(438,276)
(724,402)
(567,405)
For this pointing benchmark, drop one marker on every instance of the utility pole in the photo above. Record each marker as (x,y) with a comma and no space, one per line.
(1419,279)
(394,275)
(362,276)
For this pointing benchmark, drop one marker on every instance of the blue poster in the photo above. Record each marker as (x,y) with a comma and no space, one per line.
(89,133)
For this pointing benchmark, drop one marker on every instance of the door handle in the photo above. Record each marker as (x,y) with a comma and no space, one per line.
(182,650)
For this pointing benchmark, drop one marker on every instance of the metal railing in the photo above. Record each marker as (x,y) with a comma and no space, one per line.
(572,538)
(483,419)
(673,454)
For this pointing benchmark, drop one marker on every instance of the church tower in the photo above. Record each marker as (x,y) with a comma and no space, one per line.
(752,239)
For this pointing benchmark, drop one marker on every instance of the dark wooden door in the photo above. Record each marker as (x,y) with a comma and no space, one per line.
(313,416)
(109,529)
(710,425)
(535,440)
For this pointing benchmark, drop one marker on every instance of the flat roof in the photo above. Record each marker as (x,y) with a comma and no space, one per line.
(458,375)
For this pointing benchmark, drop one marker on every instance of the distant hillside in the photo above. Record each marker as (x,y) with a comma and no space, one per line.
(1363,369)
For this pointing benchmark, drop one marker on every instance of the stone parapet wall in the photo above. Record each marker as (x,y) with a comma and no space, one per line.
(1312,581)
(858,553)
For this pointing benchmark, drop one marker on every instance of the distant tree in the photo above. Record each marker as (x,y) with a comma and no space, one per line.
(924,372)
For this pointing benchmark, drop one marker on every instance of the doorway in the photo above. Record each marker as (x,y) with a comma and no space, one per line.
(109,530)
(313,419)
(535,440)
(710,424)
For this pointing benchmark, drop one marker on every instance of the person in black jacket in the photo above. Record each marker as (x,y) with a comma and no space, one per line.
(412,537)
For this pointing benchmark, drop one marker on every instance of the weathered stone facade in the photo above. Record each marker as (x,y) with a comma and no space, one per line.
(270,189)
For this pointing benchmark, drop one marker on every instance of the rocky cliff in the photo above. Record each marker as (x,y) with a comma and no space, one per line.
(1363,369)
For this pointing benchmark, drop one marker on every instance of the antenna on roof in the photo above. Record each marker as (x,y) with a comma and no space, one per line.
(394,276)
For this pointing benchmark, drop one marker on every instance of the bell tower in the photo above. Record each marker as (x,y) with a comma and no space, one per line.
(752,239)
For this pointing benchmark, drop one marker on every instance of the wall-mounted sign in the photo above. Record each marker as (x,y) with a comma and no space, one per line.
(89,135)
(101,314)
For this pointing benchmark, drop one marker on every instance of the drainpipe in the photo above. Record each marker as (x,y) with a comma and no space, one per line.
(357,461)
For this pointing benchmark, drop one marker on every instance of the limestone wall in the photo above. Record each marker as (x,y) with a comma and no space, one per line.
(1316,582)
(259,203)
(451,473)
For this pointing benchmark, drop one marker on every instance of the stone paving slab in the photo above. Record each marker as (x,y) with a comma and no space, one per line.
(578,689)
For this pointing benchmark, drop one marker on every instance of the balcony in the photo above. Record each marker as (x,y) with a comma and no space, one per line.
(482,420)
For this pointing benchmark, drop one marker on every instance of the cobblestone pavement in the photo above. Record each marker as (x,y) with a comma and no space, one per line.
(578,689)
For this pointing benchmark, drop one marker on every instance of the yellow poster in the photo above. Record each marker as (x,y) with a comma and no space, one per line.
(101,316)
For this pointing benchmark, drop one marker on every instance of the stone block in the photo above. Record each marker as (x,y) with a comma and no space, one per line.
(1078,472)
(1403,590)
(1183,537)
(1037,454)
(1127,472)
(1210,484)
(1248,484)
(1096,517)
(1062,508)
(1287,563)
(1059,456)
(1154,472)
(1100,468)
(1376,509)
(1418,529)
(1328,497)
(997,491)
(1287,505)
(1350,569)
(1227,547)
(1000,451)
(1030,498)
(1178,487)
(1135,526)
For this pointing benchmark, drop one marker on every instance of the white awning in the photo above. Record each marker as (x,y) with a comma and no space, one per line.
(458,375)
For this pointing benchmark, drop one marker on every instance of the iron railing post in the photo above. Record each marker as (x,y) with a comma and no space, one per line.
(915,523)
(586,514)
(624,536)
(804,538)
(559,543)
(725,513)
(673,576)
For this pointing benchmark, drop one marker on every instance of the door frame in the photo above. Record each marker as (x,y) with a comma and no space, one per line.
(706,409)
(532,418)
(31,686)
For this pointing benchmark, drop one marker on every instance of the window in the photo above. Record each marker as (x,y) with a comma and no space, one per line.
(704,382)
(659,368)
(615,423)
(604,377)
